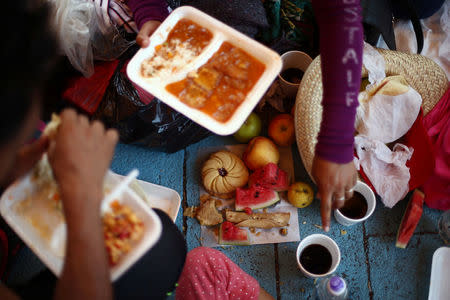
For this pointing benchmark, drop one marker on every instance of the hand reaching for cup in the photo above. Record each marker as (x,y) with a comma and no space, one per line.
(335,183)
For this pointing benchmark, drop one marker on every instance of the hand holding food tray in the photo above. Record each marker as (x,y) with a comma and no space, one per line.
(35,215)
(204,69)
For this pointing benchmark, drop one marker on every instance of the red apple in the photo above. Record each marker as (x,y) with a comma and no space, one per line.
(282,130)
(260,151)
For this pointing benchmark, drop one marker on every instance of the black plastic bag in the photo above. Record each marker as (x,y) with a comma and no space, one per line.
(159,126)
(155,125)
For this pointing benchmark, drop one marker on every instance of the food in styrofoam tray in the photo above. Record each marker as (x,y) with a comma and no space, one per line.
(26,214)
(218,87)
(121,228)
(33,209)
(42,209)
(184,43)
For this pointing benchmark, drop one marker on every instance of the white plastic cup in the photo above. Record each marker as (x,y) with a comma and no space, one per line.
(368,194)
(293,59)
(328,243)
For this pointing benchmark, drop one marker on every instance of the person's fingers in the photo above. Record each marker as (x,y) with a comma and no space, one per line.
(35,150)
(350,186)
(51,150)
(112,136)
(83,121)
(338,199)
(29,155)
(39,146)
(325,209)
(145,32)
(348,194)
(68,115)
(142,38)
(349,190)
(97,128)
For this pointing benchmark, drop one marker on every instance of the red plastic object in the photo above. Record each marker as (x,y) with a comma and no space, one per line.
(87,93)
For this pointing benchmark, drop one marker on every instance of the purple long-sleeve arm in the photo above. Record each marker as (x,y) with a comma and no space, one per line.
(146,10)
(341,44)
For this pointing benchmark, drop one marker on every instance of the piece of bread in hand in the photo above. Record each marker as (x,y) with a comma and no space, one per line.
(52,128)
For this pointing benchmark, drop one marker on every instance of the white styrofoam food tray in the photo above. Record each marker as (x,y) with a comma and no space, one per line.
(221,33)
(440,275)
(164,198)
(52,252)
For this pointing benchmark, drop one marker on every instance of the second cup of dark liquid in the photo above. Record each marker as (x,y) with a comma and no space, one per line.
(318,256)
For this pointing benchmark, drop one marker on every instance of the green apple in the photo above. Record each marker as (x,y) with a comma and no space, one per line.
(250,129)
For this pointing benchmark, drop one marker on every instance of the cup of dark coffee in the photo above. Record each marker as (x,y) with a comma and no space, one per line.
(318,256)
(358,208)
(295,64)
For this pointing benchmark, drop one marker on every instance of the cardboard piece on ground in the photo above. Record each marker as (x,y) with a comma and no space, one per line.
(209,237)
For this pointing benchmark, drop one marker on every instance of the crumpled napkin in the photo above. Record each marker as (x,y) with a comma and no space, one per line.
(388,110)
(386,169)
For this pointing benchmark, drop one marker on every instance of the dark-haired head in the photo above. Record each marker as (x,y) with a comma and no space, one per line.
(28,50)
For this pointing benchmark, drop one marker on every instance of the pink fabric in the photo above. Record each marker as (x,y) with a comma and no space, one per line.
(208,274)
(437,123)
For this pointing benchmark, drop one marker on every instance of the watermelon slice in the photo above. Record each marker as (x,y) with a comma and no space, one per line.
(255,197)
(232,235)
(270,176)
(410,219)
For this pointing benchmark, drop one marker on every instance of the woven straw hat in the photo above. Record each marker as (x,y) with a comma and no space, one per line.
(424,75)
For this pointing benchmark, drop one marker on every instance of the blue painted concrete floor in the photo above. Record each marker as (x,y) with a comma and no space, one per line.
(373,267)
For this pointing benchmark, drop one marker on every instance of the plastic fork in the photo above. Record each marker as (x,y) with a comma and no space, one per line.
(117,191)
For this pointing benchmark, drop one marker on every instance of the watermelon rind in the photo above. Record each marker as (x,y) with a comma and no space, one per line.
(242,242)
(268,202)
(410,219)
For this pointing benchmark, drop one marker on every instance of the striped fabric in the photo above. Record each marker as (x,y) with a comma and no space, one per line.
(115,12)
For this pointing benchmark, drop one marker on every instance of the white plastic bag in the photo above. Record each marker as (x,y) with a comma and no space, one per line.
(386,169)
(83,36)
